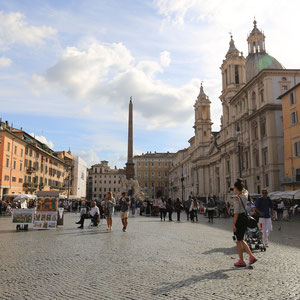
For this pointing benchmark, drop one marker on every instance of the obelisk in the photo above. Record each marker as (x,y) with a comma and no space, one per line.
(130,163)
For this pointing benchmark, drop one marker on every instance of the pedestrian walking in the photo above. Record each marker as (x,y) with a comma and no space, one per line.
(194,210)
(178,208)
(170,208)
(124,210)
(108,205)
(211,210)
(240,223)
(263,207)
(187,207)
(162,205)
(133,206)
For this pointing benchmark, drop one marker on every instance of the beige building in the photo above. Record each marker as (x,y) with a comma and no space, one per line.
(152,172)
(291,129)
(250,141)
(102,179)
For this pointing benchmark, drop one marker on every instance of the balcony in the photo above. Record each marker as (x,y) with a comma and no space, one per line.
(31,170)
(30,185)
(291,179)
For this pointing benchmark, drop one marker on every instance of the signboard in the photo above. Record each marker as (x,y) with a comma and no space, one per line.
(47,204)
(45,220)
(22,216)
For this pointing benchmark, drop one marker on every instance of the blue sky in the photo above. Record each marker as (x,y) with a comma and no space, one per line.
(68,68)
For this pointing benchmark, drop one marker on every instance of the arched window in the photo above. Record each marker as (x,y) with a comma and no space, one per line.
(262,95)
(253,101)
(236,74)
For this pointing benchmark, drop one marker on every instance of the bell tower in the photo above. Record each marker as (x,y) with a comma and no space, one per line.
(233,77)
(256,41)
(203,122)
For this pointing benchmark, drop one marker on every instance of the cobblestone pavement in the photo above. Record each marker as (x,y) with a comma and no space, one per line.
(153,260)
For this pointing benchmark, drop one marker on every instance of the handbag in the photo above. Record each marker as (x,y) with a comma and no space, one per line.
(251,222)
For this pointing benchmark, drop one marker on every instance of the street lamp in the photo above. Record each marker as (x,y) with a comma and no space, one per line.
(238,132)
(182,180)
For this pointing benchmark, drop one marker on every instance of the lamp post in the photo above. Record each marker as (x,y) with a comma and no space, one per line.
(182,186)
(239,151)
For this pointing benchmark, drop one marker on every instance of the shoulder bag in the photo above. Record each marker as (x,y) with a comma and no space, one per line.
(251,222)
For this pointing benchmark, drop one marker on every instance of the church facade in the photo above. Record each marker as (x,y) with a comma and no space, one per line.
(249,144)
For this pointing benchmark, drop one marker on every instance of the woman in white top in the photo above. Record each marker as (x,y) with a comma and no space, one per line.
(108,205)
(162,204)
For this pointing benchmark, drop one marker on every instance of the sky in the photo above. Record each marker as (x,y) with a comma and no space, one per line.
(68,68)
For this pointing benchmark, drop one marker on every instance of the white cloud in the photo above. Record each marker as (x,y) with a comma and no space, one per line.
(109,74)
(203,27)
(5,62)
(165,58)
(43,140)
(90,156)
(15,30)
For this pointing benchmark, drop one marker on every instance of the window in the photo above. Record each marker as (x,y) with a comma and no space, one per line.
(22,152)
(14,165)
(284,87)
(20,180)
(21,166)
(236,74)
(146,184)
(256,155)
(253,101)
(265,156)
(7,162)
(8,146)
(95,189)
(30,152)
(6,178)
(297,149)
(263,128)
(152,184)
(262,96)
(15,149)
(294,118)
(14,179)
(227,166)
(292,98)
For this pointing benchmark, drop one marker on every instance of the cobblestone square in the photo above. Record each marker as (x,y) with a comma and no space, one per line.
(153,260)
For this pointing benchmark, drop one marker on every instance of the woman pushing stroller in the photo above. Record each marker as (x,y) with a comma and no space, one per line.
(240,223)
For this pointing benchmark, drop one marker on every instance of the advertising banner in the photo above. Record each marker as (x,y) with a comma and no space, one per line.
(22,216)
(45,220)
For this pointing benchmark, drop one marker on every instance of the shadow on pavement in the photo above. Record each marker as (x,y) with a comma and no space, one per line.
(226,251)
(219,274)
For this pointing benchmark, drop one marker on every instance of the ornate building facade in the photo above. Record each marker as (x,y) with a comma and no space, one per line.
(152,172)
(250,141)
(102,179)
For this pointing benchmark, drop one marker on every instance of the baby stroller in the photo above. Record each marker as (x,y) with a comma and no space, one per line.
(253,238)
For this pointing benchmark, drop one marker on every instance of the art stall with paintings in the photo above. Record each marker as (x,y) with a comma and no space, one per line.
(46,213)
(22,218)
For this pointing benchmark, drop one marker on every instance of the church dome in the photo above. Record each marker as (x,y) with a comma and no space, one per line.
(258,61)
